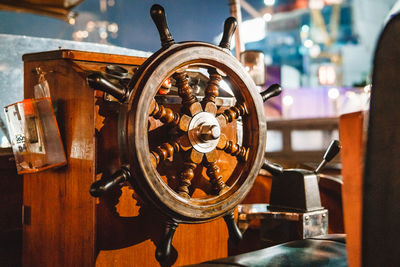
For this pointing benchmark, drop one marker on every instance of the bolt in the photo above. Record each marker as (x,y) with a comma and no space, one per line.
(209,132)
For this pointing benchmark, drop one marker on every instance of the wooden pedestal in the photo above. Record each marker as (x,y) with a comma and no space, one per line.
(63,224)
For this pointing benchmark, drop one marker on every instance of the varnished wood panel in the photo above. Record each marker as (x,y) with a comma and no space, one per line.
(351,138)
(261,190)
(83,56)
(130,231)
(60,231)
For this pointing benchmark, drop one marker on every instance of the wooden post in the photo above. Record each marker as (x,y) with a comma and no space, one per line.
(234,6)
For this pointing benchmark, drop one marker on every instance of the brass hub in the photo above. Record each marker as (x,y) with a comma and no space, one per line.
(204,132)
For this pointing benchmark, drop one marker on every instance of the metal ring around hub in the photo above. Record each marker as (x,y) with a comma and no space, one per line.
(202,123)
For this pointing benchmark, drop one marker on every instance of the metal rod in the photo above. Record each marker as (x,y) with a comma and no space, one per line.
(251,10)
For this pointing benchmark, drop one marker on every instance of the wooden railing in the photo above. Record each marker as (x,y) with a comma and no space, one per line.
(288,155)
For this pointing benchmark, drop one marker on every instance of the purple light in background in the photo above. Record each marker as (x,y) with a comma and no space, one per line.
(273,107)
(312,102)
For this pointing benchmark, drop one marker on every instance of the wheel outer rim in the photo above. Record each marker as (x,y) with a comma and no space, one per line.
(156,190)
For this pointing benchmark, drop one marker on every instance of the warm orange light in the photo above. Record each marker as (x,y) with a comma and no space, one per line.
(327,75)
(301,4)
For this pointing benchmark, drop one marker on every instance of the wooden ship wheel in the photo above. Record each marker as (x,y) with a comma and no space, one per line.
(195,189)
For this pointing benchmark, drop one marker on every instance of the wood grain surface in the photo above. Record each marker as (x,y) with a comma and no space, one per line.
(66,226)
(60,231)
(351,138)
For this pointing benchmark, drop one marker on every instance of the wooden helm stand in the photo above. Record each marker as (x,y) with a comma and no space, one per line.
(199,191)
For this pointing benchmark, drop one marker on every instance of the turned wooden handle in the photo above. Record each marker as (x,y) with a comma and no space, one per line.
(103,185)
(163,250)
(229,28)
(158,15)
(272,91)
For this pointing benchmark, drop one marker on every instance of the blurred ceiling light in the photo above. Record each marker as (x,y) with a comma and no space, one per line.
(113,27)
(269,2)
(333,93)
(287,100)
(71,21)
(103,6)
(77,36)
(103,35)
(316,4)
(315,50)
(267,17)
(308,43)
(111,2)
(305,28)
(333,2)
(327,75)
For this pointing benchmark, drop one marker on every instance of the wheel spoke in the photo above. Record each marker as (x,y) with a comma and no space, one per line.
(185,92)
(213,172)
(232,148)
(233,113)
(212,90)
(163,151)
(184,179)
(165,115)
(192,159)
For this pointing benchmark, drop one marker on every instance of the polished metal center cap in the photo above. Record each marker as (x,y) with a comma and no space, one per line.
(204,132)
(209,132)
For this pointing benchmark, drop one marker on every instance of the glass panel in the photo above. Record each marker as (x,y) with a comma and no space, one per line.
(12,48)
(274,141)
(307,140)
